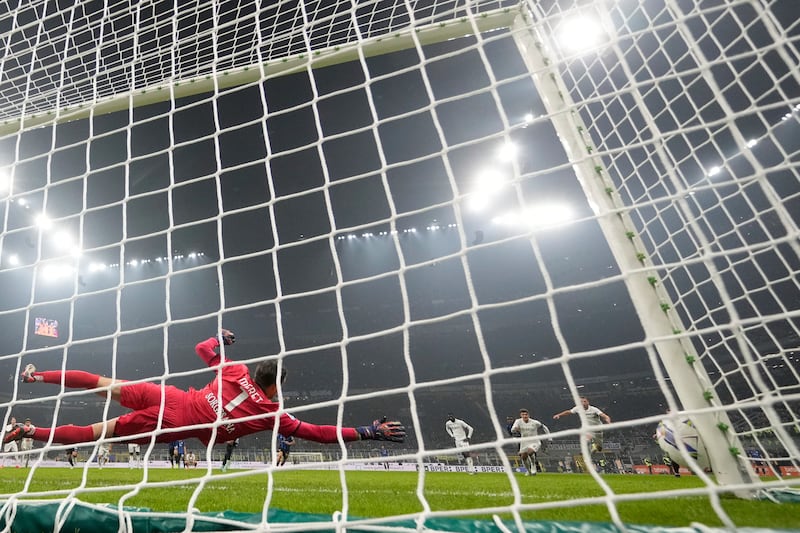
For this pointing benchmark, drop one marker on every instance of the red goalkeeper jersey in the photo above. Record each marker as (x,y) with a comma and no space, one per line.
(233,394)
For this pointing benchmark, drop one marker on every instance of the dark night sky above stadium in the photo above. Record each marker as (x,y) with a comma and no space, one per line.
(163,218)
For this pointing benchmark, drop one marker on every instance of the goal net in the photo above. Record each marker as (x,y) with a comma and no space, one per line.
(420,208)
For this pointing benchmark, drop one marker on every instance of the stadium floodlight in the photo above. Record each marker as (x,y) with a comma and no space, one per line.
(43,221)
(536,217)
(97,267)
(477,202)
(546,216)
(63,240)
(580,33)
(487,184)
(491,181)
(56,271)
(13,260)
(507,151)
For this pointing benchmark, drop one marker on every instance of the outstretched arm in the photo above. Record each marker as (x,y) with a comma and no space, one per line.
(378,430)
(206,350)
(324,434)
(565,412)
(606,418)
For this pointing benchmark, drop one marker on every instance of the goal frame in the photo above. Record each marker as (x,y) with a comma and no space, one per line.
(661,324)
(667,341)
(237,77)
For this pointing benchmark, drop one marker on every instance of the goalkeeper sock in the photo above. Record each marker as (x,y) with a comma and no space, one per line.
(65,434)
(74,379)
(469,464)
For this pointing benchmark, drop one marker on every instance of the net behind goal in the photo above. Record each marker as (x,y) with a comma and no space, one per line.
(420,208)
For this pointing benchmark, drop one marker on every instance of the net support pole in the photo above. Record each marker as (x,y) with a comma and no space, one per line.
(660,323)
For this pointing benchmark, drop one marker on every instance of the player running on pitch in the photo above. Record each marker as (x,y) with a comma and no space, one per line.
(242,395)
(595,418)
(531,443)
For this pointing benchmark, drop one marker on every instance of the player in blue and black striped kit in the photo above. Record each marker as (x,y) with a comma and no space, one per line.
(284,444)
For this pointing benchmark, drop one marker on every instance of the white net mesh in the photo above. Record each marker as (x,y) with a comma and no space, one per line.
(422,208)
(701,145)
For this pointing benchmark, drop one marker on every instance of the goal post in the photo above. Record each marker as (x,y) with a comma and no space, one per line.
(663,328)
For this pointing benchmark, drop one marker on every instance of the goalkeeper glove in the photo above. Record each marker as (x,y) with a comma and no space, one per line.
(383,430)
(227,337)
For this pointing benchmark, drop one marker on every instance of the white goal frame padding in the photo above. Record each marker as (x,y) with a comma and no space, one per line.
(690,380)
(237,77)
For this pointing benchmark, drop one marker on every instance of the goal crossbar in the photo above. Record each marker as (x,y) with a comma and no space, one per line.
(224,79)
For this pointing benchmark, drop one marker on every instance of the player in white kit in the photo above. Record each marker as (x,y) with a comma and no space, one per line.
(134,456)
(103,454)
(461,433)
(594,417)
(530,441)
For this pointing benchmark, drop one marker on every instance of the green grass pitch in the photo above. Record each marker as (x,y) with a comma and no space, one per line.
(560,497)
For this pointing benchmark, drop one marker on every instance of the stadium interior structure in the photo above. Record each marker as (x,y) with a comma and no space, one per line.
(467,206)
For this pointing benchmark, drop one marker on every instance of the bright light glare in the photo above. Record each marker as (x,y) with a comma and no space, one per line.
(580,33)
(478,203)
(487,184)
(547,215)
(5,183)
(43,222)
(489,181)
(13,259)
(96,267)
(63,240)
(713,171)
(507,151)
(56,271)
(537,217)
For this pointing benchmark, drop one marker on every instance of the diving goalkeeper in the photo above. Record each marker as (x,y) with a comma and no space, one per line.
(234,394)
